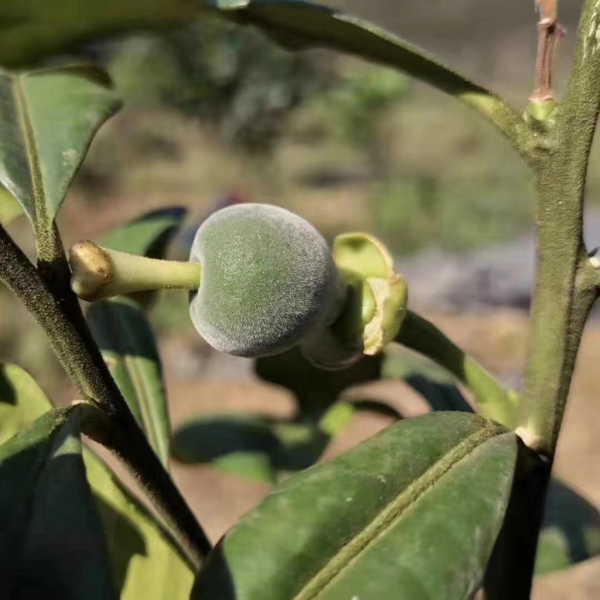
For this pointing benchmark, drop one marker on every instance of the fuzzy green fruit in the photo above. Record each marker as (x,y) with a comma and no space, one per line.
(268,280)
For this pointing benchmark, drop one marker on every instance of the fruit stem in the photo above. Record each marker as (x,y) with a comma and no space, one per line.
(102,273)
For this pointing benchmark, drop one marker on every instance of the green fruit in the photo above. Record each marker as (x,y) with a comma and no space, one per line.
(268,280)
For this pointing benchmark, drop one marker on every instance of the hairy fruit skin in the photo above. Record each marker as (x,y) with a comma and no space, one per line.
(268,280)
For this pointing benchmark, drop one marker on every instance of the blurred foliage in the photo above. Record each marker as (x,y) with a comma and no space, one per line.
(231,77)
(414,213)
(354,110)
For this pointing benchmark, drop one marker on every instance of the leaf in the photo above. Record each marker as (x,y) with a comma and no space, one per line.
(21,401)
(144,560)
(434,383)
(32,29)
(298,25)
(368,264)
(250,445)
(148,235)
(571,530)
(315,389)
(124,335)
(412,513)
(51,540)
(10,209)
(47,121)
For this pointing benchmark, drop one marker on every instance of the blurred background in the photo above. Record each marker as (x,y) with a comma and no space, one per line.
(215,114)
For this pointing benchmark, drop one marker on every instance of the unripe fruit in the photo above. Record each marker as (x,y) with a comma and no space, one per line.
(268,279)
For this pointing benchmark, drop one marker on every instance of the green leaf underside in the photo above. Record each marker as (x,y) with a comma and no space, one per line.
(51,540)
(47,121)
(125,337)
(299,24)
(145,562)
(31,29)
(148,235)
(412,513)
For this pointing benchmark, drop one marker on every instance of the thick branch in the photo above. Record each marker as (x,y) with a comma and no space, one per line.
(84,364)
(565,287)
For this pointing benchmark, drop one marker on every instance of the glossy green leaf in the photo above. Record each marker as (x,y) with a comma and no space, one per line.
(148,235)
(124,335)
(412,513)
(31,29)
(144,560)
(47,121)
(571,530)
(298,25)
(51,538)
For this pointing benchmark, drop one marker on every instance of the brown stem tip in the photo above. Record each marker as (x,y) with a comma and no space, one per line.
(550,31)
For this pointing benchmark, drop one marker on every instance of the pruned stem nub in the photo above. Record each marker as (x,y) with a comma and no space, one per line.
(550,31)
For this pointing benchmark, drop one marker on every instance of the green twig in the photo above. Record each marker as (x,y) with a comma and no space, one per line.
(84,364)
(493,400)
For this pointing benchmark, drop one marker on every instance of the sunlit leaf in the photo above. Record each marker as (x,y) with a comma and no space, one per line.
(297,25)
(123,333)
(412,513)
(47,121)
(10,209)
(148,235)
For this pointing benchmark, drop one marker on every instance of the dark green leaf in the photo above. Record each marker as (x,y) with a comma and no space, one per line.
(51,540)
(571,530)
(249,445)
(147,235)
(47,121)
(299,24)
(30,29)
(315,389)
(412,513)
(377,407)
(126,340)
(145,562)
(433,382)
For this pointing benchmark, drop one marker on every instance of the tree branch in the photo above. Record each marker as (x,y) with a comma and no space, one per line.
(566,284)
(85,366)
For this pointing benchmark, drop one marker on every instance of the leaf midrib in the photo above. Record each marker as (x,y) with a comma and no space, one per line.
(40,217)
(389,516)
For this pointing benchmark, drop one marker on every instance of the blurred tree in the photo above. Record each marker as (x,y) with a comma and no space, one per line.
(230,77)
